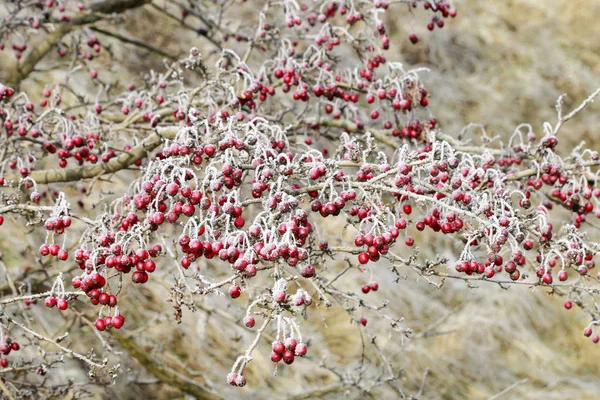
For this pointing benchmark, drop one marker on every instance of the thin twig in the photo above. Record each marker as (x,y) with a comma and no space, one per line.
(508,389)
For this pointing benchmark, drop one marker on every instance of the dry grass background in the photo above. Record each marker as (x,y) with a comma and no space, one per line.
(499,63)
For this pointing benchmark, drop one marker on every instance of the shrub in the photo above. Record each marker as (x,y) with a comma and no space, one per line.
(303,121)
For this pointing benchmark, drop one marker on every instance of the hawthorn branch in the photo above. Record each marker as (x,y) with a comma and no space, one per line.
(24,67)
(27,64)
(201,32)
(562,119)
(116,164)
(388,139)
(134,42)
(64,349)
(391,379)
(534,171)
(6,391)
(39,296)
(24,207)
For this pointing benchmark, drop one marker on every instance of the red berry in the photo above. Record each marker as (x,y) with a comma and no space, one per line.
(563,275)
(547,278)
(63,255)
(62,304)
(139,277)
(118,321)
(44,250)
(240,381)
(100,324)
(235,291)
(50,302)
(54,249)
(278,347)
(308,271)
(239,222)
(301,349)
(288,357)
(276,357)
(568,305)
(231,378)
(290,343)
(279,296)
(209,150)
(363,258)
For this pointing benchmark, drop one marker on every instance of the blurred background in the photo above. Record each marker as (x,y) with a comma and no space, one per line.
(499,64)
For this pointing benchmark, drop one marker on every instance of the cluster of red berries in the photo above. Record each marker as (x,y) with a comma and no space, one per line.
(6,346)
(579,201)
(549,176)
(47,93)
(299,227)
(328,42)
(587,332)
(287,350)
(376,245)
(473,267)
(291,254)
(57,224)
(246,98)
(441,9)
(236,380)
(56,301)
(111,255)
(371,286)
(92,285)
(5,92)
(509,161)
(451,223)
(413,130)
(194,249)
(582,262)
(366,173)
(54,250)
(109,322)
(333,207)
(80,149)
(34,21)
(94,43)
